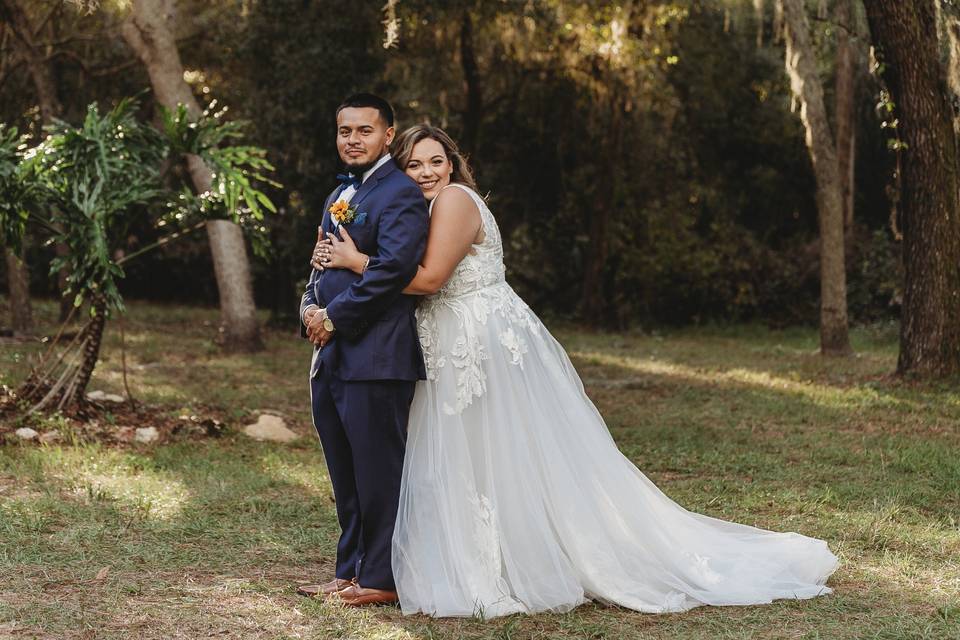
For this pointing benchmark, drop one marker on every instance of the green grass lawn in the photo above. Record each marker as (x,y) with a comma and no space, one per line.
(207,537)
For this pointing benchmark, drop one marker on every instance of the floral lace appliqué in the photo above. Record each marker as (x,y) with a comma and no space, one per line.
(467,354)
(515,344)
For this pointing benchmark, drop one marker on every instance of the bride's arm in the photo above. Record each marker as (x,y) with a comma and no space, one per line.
(454,226)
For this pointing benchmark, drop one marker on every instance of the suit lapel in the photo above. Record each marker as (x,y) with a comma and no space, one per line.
(325,221)
(370,183)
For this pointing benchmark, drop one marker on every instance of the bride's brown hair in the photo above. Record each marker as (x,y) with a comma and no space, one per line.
(402,149)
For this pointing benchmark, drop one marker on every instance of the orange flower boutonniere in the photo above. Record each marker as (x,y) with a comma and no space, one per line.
(343,213)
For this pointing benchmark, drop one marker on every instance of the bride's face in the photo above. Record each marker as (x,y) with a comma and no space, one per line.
(429,167)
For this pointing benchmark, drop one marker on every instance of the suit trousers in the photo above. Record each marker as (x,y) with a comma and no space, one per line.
(363,430)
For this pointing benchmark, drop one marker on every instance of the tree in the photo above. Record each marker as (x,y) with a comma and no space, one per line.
(845,96)
(906,35)
(86,185)
(14,192)
(40,70)
(149,32)
(802,68)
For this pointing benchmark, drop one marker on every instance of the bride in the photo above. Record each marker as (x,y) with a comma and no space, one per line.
(515,497)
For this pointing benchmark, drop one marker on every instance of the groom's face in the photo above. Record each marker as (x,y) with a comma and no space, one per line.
(362,137)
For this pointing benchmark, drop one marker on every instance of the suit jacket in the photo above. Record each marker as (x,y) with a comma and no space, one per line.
(376,332)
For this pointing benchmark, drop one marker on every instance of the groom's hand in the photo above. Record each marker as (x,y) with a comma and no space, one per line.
(315,331)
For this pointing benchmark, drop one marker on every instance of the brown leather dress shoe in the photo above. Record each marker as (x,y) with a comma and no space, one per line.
(325,589)
(357,596)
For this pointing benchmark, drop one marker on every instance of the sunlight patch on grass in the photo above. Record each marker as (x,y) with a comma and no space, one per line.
(101,475)
(819,394)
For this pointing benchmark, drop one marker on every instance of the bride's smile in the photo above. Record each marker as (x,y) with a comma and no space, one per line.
(429,167)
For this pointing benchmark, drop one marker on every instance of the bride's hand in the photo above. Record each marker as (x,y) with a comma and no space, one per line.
(318,251)
(333,253)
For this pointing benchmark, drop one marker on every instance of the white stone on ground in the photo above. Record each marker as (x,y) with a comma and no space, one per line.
(146,434)
(26,433)
(106,397)
(271,428)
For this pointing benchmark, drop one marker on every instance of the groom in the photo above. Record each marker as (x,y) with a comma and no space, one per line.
(367,357)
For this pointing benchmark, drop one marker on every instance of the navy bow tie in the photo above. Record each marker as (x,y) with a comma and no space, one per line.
(347,180)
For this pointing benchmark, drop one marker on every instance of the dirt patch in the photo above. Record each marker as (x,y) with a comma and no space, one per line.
(114,423)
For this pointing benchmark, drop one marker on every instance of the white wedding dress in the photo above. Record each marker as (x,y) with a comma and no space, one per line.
(515,497)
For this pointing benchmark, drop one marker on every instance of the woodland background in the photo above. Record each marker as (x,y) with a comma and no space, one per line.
(646,160)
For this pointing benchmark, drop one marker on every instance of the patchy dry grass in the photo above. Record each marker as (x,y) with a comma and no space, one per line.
(207,538)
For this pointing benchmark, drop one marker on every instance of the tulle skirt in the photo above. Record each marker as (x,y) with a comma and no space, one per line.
(515,497)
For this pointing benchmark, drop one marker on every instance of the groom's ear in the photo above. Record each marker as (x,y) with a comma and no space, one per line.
(391,132)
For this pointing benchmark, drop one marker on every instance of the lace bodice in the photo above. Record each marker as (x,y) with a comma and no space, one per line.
(474,316)
(483,266)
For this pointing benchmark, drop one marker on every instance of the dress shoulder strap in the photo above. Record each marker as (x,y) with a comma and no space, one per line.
(477,200)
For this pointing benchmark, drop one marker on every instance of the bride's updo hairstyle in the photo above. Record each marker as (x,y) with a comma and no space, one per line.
(402,149)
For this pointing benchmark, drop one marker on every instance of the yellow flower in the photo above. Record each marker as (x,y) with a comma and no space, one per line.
(341,212)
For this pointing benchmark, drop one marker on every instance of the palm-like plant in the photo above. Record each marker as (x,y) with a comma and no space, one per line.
(92,178)
(86,184)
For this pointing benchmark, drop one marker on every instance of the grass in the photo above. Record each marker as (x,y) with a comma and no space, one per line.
(206,538)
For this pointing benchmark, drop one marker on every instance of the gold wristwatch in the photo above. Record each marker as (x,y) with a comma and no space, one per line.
(327,322)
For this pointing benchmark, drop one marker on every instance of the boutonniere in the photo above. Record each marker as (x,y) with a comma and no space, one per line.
(343,213)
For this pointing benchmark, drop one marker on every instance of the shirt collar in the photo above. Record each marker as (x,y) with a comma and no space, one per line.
(382,161)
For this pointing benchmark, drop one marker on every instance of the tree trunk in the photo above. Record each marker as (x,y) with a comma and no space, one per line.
(906,34)
(471,79)
(41,74)
(76,391)
(149,32)
(758,16)
(38,64)
(19,279)
(593,301)
(233,271)
(951,27)
(845,108)
(802,67)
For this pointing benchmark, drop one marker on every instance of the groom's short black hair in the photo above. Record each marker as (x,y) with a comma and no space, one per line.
(369,100)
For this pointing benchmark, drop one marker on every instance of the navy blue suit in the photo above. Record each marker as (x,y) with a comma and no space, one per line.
(362,381)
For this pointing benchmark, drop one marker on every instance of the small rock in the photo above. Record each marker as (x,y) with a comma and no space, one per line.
(26,433)
(146,434)
(105,397)
(50,437)
(270,428)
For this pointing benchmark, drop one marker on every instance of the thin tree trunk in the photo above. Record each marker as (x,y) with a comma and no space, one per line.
(906,34)
(19,279)
(76,390)
(845,91)
(951,26)
(778,27)
(38,64)
(802,68)
(149,32)
(593,301)
(471,77)
(758,13)
(41,74)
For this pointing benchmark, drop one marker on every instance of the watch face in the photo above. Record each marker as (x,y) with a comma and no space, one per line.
(328,324)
